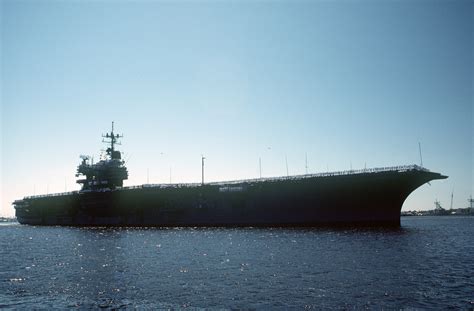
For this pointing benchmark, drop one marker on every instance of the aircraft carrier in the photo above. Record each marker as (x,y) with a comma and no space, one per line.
(355,197)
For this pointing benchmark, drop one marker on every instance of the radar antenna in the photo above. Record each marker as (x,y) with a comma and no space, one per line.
(85,158)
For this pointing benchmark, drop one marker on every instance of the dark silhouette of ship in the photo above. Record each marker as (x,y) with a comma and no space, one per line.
(355,197)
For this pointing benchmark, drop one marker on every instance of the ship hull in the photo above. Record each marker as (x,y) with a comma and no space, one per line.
(347,199)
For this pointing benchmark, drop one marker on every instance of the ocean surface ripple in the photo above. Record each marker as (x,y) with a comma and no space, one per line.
(427,263)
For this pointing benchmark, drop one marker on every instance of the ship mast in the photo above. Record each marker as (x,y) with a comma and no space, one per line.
(113,141)
(306,163)
(421,157)
(202,169)
(452,196)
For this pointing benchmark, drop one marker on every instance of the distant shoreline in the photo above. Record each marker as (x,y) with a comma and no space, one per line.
(8,219)
(441,212)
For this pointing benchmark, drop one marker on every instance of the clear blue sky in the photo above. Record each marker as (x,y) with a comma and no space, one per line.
(347,82)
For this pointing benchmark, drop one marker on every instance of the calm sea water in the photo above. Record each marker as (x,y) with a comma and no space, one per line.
(428,263)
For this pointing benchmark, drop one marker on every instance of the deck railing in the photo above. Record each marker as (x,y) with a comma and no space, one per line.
(402,168)
(50,195)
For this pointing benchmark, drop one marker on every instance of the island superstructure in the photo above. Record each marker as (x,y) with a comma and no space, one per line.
(109,173)
(355,197)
